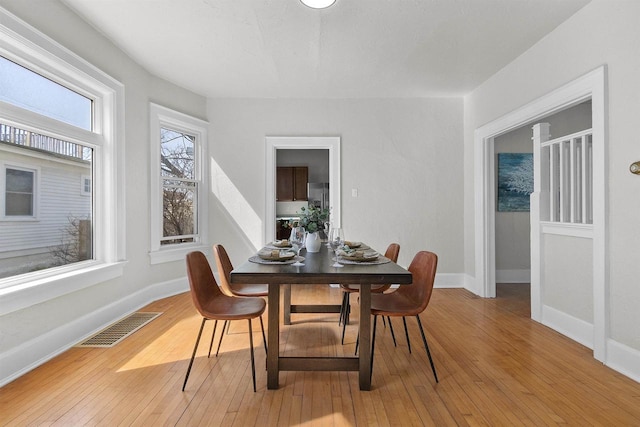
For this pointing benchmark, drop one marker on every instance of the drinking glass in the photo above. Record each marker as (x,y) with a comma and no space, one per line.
(336,239)
(327,230)
(297,242)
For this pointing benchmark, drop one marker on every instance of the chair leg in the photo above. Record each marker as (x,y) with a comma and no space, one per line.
(193,355)
(406,332)
(426,347)
(264,337)
(347,308)
(357,342)
(373,345)
(224,325)
(391,329)
(342,308)
(213,334)
(344,329)
(253,363)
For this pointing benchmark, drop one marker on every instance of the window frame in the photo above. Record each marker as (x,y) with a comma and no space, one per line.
(83,182)
(163,117)
(35,170)
(25,45)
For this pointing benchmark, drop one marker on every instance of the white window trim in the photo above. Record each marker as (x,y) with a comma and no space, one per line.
(160,116)
(25,45)
(3,187)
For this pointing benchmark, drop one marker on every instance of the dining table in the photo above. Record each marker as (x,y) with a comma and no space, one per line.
(318,269)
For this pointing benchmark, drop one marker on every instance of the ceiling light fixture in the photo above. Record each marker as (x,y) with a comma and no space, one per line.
(318,4)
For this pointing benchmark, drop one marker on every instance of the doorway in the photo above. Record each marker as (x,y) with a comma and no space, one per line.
(273,143)
(512,217)
(590,86)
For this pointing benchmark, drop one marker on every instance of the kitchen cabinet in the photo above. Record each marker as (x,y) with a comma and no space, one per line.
(291,183)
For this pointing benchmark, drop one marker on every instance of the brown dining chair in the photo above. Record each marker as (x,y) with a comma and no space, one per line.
(392,253)
(213,304)
(223,262)
(408,300)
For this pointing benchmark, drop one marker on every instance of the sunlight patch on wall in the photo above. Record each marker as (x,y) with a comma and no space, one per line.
(236,205)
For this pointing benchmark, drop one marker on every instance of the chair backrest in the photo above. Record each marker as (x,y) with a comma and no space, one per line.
(392,252)
(224,268)
(201,281)
(423,269)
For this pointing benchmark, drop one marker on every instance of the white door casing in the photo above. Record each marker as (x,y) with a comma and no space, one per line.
(273,143)
(589,86)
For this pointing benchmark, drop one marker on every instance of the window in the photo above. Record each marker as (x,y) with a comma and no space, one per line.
(60,124)
(25,89)
(85,185)
(178,147)
(19,192)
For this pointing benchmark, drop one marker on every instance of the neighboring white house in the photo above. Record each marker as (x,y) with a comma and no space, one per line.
(45,187)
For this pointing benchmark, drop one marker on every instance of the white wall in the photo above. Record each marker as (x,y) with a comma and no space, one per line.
(568,277)
(31,335)
(603,32)
(403,157)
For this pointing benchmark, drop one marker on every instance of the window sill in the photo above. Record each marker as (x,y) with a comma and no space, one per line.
(37,288)
(176,253)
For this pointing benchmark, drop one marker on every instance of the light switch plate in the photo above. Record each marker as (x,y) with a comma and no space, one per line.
(354,192)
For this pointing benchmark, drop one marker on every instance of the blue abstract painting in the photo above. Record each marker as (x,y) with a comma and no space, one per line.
(515,181)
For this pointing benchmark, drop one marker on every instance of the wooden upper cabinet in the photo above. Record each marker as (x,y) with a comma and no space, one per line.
(291,183)
(300,180)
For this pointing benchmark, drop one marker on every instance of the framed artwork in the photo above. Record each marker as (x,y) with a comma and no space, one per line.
(515,181)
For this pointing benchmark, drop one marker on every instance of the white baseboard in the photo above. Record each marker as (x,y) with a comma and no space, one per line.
(623,359)
(449,280)
(444,280)
(572,327)
(31,354)
(513,276)
(471,284)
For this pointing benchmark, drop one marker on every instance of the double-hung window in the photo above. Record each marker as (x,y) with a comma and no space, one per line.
(60,126)
(19,192)
(179,188)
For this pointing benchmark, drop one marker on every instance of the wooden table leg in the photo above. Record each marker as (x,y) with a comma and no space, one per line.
(365,337)
(286,296)
(273,339)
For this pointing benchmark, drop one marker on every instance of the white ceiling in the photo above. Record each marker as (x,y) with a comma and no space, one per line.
(354,49)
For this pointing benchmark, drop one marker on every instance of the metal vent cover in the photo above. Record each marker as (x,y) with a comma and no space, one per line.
(115,333)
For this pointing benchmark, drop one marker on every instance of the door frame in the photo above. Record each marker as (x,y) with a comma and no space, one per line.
(273,143)
(590,85)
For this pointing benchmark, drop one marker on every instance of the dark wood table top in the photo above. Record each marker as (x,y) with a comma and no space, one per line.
(318,269)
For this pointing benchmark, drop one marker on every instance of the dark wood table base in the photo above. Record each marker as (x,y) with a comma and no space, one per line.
(318,270)
(303,308)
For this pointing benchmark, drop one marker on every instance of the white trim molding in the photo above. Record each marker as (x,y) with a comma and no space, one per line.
(33,353)
(589,86)
(572,327)
(25,45)
(623,359)
(273,143)
(449,280)
(160,116)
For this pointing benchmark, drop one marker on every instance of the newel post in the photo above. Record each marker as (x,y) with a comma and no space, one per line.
(539,211)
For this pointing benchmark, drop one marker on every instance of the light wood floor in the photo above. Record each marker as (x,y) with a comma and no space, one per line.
(496,367)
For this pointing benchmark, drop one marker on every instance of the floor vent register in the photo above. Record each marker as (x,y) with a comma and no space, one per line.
(115,333)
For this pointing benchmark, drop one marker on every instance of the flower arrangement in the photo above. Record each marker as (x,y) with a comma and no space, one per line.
(313,218)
